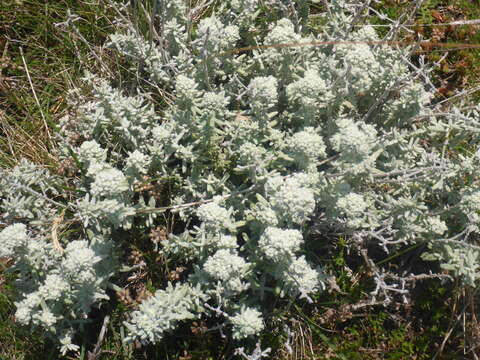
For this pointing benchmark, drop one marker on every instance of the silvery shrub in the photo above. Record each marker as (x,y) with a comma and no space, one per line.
(309,134)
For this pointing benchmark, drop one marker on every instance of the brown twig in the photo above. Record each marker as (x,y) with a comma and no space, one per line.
(96,350)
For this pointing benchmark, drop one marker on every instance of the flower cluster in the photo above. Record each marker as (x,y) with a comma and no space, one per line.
(60,286)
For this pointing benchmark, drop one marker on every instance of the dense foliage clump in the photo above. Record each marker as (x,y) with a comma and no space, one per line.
(306,136)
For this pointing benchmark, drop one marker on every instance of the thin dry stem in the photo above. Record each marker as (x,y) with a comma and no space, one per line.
(56,224)
(47,130)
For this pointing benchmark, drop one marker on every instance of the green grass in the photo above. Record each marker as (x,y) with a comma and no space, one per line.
(53,57)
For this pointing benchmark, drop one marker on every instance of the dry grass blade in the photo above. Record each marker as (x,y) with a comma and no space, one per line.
(423,44)
(56,224)
(17,143)
(36,97)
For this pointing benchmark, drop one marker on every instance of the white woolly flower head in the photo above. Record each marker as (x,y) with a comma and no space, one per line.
(186,87)
(250,154)
(91,151)
(12,238)
(435,225)
(263,92)
(353,206)
(215,36)
(27,307)
(162,133)
(278,244)
(304,179)
(137,163)
(109,182)
(282,33)
(362,65)
(248,322)
(307,89)
(214,104)
(226,242)
(354,137)
(215,217)
(95,167)
(225,264)
(366,32)
(65,339)
(356,143)
(306,147)
(301,278)
(46,318)
(79,261)
(264,214)
(293,203)
(352,202)
(54,287)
